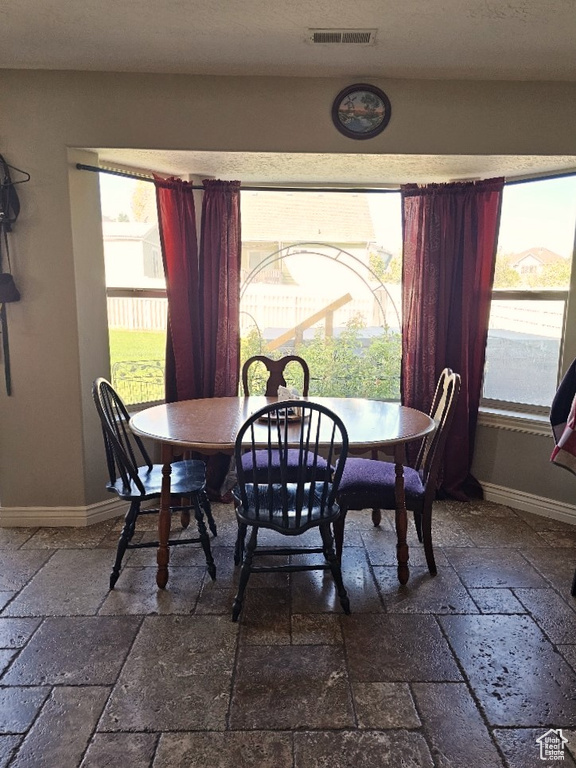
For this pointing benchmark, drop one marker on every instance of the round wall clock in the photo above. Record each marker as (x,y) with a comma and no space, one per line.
(361,111)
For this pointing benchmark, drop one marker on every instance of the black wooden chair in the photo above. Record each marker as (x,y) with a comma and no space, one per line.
(276,378)
(134,478)
(289,500)
(370,484)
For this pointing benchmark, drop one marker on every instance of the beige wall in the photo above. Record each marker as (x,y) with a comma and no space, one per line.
(50,445)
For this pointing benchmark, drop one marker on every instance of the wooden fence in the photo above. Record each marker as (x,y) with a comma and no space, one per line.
(278,310)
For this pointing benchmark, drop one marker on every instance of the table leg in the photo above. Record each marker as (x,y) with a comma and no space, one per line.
(401,518)
(163,552)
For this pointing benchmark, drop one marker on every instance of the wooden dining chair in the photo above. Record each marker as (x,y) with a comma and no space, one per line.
(290,506)
(252,372)
(134,478)
(370,484)
(276,378)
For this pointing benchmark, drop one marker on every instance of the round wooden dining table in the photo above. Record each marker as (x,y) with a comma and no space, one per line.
(210,425)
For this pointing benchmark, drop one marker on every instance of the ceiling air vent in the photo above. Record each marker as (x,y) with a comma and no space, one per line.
(342,36)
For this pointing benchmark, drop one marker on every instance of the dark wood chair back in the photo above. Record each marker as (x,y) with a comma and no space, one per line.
(276,370)
(291,495)
(125,452)
(442,411)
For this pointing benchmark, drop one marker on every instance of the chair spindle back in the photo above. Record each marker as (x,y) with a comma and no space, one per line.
(121,444)
(303,489)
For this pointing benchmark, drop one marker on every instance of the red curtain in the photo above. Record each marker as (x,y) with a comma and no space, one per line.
(203,289)
(450,236)
(220,251)
(177,223)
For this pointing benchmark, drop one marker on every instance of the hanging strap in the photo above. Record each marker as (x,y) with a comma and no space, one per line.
(9,210)
(9,202)
(5,349)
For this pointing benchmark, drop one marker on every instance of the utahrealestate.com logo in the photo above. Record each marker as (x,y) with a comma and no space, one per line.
(552,745)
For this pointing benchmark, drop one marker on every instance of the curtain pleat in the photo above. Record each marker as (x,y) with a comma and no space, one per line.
(220,252)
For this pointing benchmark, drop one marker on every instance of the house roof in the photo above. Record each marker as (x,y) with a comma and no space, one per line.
(127,230)
(543,255)
(306,217)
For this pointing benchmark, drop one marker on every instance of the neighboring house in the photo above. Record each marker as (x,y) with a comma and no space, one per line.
(294,248)
(532,261)
(132,255)
(276,220)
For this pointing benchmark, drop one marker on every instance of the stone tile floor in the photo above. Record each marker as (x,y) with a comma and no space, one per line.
(465,670)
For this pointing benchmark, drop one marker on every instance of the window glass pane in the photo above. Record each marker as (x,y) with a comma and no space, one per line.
(523,351)
(136,323)
(321,279)
(536,237)
(535,245)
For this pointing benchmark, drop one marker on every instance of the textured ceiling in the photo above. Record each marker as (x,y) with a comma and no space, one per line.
(318,169)
(433,39)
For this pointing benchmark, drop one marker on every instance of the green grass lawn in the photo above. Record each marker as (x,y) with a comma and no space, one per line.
(138,384)
(126,346)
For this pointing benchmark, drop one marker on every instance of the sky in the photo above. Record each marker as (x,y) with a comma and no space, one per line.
(539,214)
(116,195)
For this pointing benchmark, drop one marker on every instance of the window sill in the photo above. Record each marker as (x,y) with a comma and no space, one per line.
(515,421)
(134,408)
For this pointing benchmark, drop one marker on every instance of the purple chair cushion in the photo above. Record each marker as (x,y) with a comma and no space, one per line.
(372,483)
(292,463)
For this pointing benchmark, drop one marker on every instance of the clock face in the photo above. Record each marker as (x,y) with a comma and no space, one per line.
(361,111)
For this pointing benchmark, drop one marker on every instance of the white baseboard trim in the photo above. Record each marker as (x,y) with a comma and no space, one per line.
(79,517)
(51,517)
(527,502)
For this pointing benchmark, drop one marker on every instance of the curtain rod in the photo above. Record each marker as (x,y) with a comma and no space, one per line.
(144,177)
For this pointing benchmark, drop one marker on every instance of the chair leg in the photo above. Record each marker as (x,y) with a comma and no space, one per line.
(338,527)
(205,501)
(239,547)
(204,539)
(124,540)
(418,525)
(334,563)
(184,513)
(245,573)
(376,513)
(573,592)
(426,518)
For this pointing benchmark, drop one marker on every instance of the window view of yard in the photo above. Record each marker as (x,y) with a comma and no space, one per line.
(318,281)
(137,364)
(321,278)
